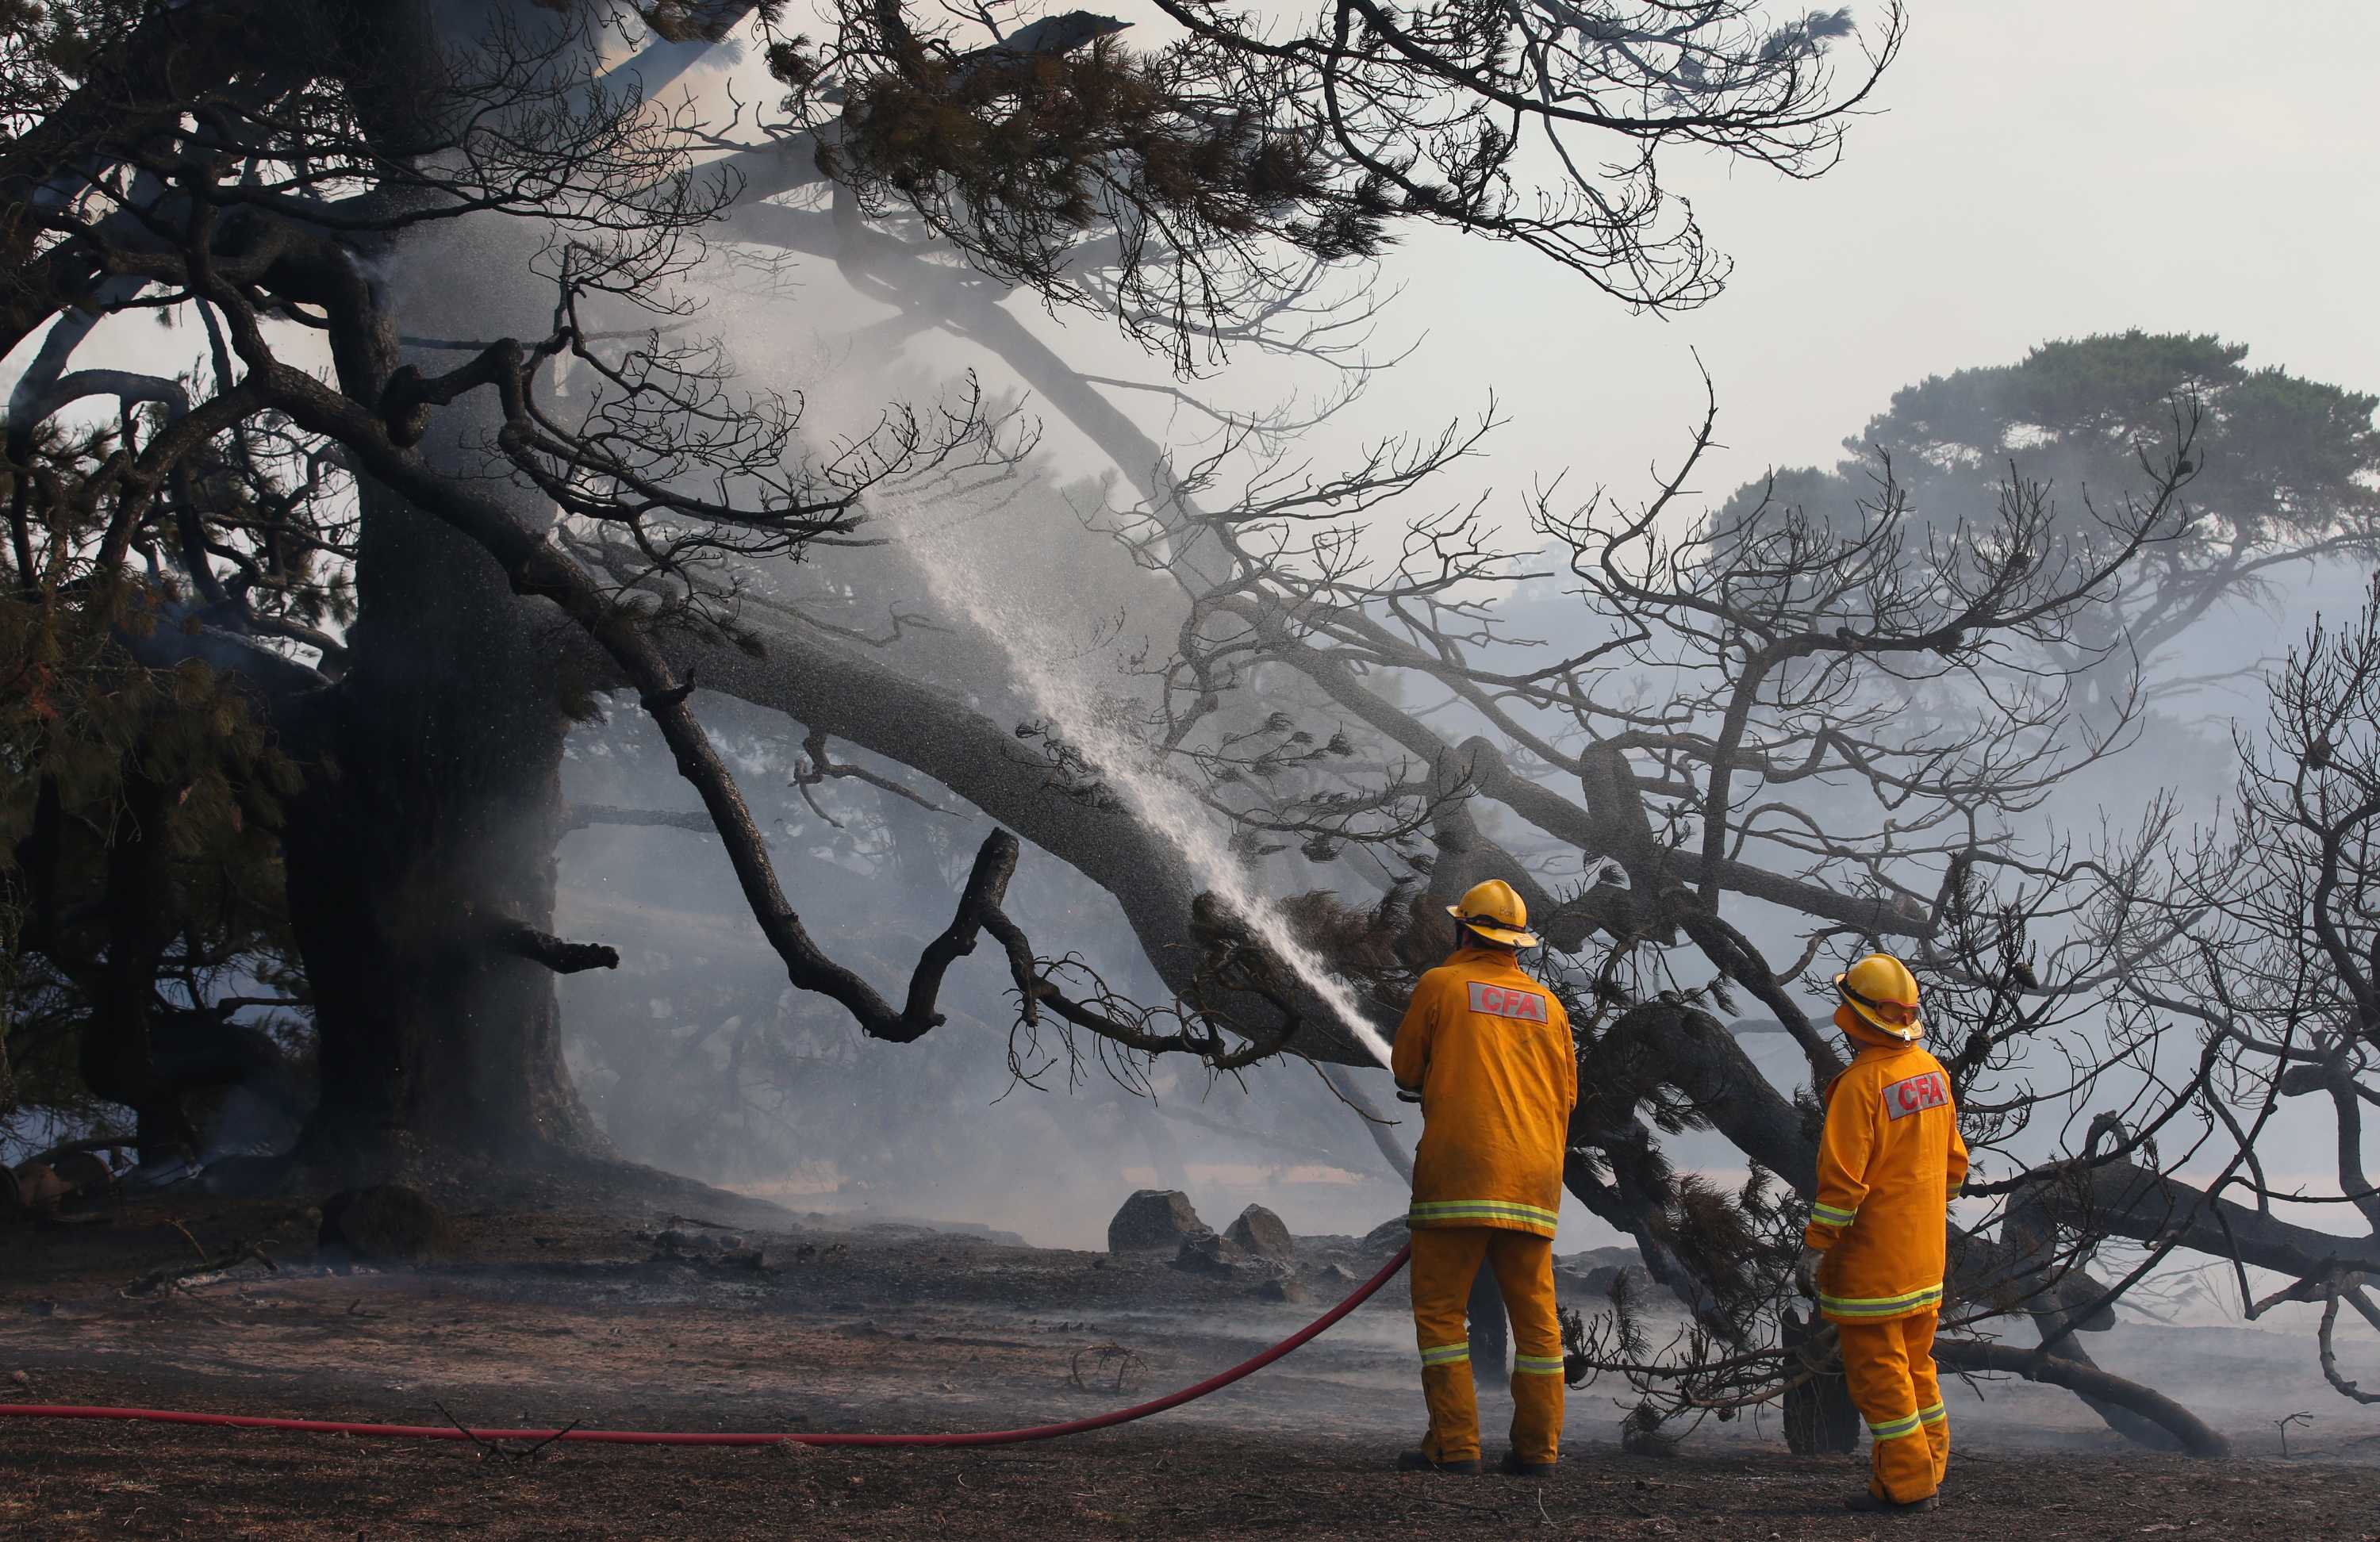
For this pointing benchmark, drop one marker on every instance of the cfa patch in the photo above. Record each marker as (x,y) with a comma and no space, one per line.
(1915,1095)
(1504,1000)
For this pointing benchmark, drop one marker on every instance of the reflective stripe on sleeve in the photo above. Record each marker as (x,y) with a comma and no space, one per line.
(1440,1212)
(1827,1214)
(1445,1354)
(1536,1365)
(1893,1429)
(1880,1305)
(1933,1416)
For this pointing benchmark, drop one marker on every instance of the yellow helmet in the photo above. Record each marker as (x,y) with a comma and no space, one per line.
(1880,988)
(1494,911)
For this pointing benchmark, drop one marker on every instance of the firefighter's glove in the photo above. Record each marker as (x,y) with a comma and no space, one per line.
(1805,1271)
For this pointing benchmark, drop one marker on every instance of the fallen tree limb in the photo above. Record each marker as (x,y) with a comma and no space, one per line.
(2123,1199)
(2195,1436)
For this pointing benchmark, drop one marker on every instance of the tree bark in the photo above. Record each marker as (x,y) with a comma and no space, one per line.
(424,842)
(1820,1418)
(423,847)
(114,1052)
(1491,1338)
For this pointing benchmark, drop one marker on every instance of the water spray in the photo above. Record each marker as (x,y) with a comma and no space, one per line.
(1157,800)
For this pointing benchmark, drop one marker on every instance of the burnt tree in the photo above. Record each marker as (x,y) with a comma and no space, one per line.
(466,206)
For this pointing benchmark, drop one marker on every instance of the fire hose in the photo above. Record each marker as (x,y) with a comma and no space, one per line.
(688,1438)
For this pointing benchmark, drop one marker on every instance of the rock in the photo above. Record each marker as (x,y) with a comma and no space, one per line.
(1385,1238)
(1598,1280)
(1209,1255)
(1261,1233)
(20,1378)
(37,1190)
(1283,1289)
(1155,1218)
(86,1173)
(1582,1262)
(1335,1274)
(387,1223)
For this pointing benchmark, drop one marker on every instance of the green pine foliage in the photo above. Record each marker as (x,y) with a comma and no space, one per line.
(2285,464)
(81,719)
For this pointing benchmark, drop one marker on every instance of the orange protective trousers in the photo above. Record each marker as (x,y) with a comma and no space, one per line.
(1445,1259)
(1889,1365)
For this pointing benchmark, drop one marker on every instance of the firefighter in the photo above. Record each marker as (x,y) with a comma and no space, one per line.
(1889,1162)
(1487,1051)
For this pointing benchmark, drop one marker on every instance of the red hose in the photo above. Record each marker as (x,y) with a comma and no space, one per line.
(680,1437)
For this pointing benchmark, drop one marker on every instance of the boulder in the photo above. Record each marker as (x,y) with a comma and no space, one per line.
(1594,1274)
(1599,1279)
(1283,1289)
(387,1223)
(1153,1220)
(1385,1238)
(33,1189)
(1261,1233)
(86,1173)
(1210,1255)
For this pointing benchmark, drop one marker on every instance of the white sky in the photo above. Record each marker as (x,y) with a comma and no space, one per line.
(2041,168)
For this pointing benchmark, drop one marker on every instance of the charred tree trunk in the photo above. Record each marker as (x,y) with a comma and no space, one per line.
(421,858)
(113,1053)
(1820,1418)
(1491,1336)
(426,840)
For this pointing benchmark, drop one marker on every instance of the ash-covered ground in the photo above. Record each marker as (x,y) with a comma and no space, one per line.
(551,1311)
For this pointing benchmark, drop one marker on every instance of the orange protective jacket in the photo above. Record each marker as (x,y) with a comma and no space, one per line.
(1489,1051)
(1889,1162)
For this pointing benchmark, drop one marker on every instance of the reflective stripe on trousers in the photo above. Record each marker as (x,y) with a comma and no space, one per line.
(1478,1212)
(1877,1306)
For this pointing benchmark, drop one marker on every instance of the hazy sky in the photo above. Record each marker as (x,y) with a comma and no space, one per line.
(2040,168)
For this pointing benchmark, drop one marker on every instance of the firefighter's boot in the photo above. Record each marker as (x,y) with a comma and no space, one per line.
(1869,1504)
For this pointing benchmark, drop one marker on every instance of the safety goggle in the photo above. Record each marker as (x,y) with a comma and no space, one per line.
(1891,1014)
